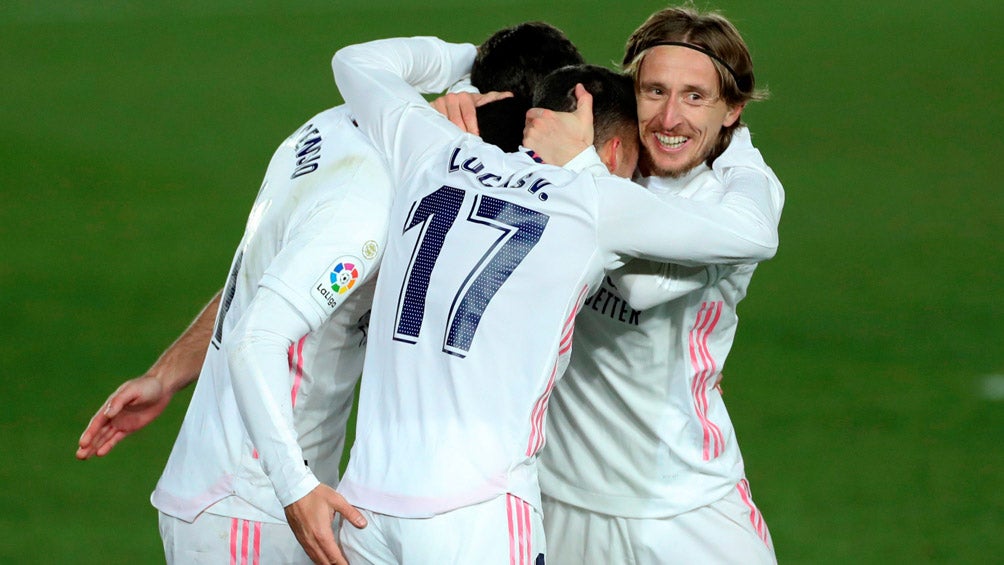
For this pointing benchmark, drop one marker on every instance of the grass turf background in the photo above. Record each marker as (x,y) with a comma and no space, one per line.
(134,138)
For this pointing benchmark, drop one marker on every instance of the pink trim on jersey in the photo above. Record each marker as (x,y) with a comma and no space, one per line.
(704,366)
(240,531)
(296,367)
(520,530)
(756,517)
(257,543)
(295,357)
(233,541)
(536,442)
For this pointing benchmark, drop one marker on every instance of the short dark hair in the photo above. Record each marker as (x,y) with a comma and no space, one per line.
(615,110)
(515,59)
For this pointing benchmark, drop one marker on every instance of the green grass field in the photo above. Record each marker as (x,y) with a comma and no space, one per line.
(863,380)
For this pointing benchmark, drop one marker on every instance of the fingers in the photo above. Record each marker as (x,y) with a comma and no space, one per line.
(469,115)
(459,108)
(100,442)
(104,447)
(130,392)
(115,404)
(439,105)
(311,518)
(94,440)
(488,97)
(84,452)
(97,421)
(325,548)
(98,424)
(349,512)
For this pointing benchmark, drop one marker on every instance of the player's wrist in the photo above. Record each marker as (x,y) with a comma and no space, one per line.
(164,380)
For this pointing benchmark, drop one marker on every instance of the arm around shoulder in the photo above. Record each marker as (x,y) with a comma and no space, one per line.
(645,284)
(741,228)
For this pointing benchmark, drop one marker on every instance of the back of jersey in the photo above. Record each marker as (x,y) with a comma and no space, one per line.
(289,242)
(489,257)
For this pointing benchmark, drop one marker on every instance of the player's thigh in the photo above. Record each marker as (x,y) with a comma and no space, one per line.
(503,531)
(213,539)
(729,531)
(370,545)
(576,536)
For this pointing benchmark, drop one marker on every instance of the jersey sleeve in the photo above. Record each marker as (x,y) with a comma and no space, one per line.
(753,196)
(739,228)
(645,284)
(256,355)
(331,251)
(382,82)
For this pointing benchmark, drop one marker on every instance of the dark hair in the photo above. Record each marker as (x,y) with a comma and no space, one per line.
(615,110)
(515,59)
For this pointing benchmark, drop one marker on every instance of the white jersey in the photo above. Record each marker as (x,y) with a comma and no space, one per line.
(638,428)
(489,257)
(313,238)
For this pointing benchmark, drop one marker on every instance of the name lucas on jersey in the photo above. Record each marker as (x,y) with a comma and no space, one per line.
(473,166)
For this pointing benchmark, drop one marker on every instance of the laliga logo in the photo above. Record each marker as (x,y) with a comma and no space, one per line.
(343,277)
(343,274)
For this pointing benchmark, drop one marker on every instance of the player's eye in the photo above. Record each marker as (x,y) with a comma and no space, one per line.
(653,92)
(694,98)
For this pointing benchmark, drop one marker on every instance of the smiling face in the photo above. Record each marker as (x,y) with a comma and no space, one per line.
(680,111)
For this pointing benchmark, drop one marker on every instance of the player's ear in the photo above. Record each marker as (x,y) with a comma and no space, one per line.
(732,116)
(609,153)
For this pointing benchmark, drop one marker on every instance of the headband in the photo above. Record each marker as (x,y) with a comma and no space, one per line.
(743,83)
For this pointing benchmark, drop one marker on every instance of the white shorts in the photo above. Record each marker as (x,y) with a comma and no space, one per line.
(221,540)
(502,531)
(731,531)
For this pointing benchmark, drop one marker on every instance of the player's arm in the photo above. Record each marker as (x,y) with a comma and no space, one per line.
(139,401)
(383,81)
(256,352)
(739,228)
(645,284)
(294,297)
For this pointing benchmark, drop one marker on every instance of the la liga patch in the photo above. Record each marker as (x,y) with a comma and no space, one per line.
(340,278)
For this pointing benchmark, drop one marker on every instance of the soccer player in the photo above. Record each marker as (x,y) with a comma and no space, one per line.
(264,434)
(254,451)
(642,463)
(512,60)
(489,257)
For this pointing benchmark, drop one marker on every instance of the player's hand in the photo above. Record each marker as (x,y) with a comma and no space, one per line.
(460,107)
(134,405)
(310,519)
(557,137)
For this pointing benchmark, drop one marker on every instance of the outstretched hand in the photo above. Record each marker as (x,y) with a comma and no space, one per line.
(461,107)
(557,137)
(134,405)
(310,519)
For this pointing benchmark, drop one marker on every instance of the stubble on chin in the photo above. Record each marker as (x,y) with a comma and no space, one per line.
(649,169)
